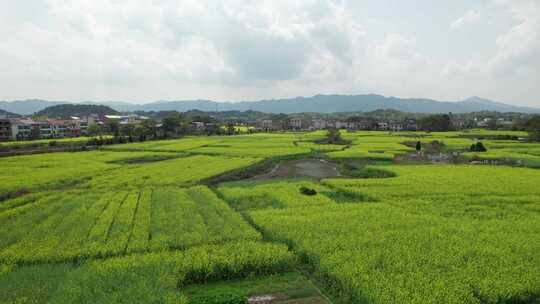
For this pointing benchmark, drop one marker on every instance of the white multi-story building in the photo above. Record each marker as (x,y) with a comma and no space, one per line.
(382,125)
(296,123)
(25,128)
(21,129)
(42,129)
(396,126)
(59,128)
(341,124)
(198,125)
(319,124)
(5,129)
(266,124)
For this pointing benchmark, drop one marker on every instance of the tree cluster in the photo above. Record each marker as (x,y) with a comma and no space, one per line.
(478,147)
(333,136)
(436,123)
(68,110)
(533,128)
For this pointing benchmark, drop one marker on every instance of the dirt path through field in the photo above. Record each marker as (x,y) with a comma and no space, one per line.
(312,168)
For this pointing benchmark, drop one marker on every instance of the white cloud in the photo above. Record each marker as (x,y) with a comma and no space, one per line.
(518,49)
(129,43)
(454,69)
(512,72)
(141,50)
(470,17)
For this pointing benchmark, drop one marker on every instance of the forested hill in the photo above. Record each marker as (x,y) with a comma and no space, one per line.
(67,110)
(4,113)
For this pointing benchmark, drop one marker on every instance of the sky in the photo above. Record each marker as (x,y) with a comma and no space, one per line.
(143,51)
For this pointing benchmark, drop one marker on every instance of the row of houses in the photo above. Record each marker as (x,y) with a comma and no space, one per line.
(491,122)
(122,119)
(360,123)
(351,123)
(26,128)
(296,123)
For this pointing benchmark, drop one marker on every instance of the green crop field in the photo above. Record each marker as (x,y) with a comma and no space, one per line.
(74,225)
(197,220)
(45,142)
(432,234)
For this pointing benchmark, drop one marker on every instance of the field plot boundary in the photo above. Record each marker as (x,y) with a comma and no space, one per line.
(108,232)
(380,231)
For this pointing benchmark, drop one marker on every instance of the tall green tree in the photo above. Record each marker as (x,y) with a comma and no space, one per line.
(95,130)
(230,129)
(112,126)
(436,123)
(173,123)
(478,147)
(148,128)
(138,131)
(533,128)
(127,130)
(333,136)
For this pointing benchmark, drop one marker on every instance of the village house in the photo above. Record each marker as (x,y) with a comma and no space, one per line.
(295,123)
(21,129)
(198,125)
(79,127)
(410,124)
(382,126)
(5,129)
(341,124)
(319,124)
(269,125)
(266,124)
(126,119)
(113,117)
(395,126)
(58,128)
(26,128)
(458,123)
(504,124)
(330,123)
(482,123)
(41,129)
(358,123)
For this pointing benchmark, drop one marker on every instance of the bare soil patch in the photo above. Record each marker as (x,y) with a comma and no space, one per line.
(310,168)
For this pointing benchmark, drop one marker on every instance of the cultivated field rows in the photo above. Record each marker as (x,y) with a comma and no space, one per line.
(139,222)
(61,227)
(472,237)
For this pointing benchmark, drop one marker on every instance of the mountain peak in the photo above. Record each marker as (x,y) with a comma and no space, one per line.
(474,98)
(483,101)
(477,99)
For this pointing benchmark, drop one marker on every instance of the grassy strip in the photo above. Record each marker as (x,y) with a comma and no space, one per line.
(141,278)
(286,286)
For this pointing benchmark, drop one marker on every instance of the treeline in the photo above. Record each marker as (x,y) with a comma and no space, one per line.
(443,123)
(436,123)
(533,128)
(172,125)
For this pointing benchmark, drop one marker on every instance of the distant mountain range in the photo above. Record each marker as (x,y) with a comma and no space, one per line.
(4,114)
(317,103)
